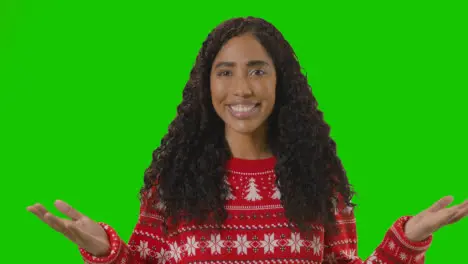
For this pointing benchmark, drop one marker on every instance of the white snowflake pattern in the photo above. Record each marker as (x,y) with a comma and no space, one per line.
(242,244)
(316,245)
(403,256)
(163,256)
(192,245)
(269,243)
(295,242)
(143,249)
(160,206)
(371,258)
(175,251)
(215,244)
(349,253)
(391,245)
(331,258)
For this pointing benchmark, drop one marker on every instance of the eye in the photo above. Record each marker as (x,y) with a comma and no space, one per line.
(224,73)
(258,72)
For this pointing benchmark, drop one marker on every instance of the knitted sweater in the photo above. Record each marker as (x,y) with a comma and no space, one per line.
(256,232)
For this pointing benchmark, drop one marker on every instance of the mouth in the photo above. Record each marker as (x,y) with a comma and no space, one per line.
(243,111)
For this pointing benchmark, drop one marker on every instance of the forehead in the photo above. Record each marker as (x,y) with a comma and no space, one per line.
(242,49)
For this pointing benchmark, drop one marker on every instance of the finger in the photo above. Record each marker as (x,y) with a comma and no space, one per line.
(67,210)
(461,213)
(443,217)
(56,223)
(46,216)
(440,204)
(61,225)
(37,209)
(67,231)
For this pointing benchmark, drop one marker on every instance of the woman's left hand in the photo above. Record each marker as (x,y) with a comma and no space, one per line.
(432,219)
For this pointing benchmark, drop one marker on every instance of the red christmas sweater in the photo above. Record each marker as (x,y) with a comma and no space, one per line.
(256,232)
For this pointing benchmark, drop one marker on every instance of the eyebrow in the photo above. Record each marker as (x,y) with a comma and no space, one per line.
(232,64)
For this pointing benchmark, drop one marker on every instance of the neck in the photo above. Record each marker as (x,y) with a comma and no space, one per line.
(248,145)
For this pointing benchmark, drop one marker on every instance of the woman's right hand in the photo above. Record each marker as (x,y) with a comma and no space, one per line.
(81,230)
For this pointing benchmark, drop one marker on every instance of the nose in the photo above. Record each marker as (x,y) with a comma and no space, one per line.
(242,87)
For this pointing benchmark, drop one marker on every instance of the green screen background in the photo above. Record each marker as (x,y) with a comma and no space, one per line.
(88,89)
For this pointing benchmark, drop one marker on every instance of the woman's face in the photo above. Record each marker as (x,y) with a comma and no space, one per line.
(243,84)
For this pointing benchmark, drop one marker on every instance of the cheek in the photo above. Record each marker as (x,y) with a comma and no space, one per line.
(270,97)
(267,90)
(217,95)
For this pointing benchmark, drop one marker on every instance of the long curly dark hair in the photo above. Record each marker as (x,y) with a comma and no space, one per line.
(189,164)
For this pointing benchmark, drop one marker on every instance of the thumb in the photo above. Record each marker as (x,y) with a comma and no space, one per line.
(440,204)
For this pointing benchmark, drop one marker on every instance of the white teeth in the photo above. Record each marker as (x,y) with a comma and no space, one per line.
(242,108)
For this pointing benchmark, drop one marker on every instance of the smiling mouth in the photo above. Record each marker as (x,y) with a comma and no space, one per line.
(243,111)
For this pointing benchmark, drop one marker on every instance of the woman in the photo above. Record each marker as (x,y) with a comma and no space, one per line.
(247,173)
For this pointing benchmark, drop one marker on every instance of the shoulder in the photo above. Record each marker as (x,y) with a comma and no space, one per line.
(150,199)
(341,206)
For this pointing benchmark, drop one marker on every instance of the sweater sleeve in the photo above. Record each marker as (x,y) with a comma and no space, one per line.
(147,243)
(395,248)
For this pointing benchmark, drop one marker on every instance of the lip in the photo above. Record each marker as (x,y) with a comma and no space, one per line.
(244,114)
(243,102)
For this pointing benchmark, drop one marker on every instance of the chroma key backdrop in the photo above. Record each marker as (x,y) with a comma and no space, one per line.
(88,89)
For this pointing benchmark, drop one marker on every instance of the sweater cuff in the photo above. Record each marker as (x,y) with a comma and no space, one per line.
(415,247)
(115,248)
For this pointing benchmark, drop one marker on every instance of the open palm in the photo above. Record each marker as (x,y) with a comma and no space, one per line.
(80,229)
(435,217)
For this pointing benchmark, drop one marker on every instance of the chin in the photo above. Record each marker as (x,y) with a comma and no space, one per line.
(244,127)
